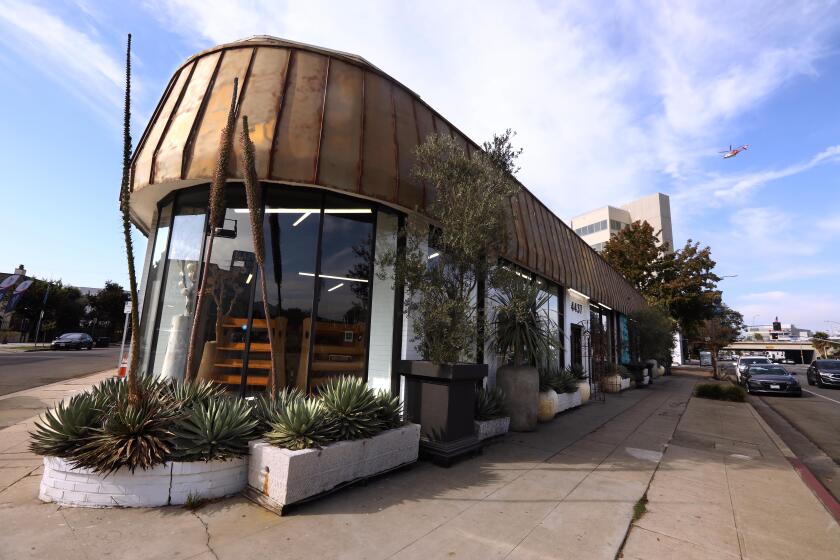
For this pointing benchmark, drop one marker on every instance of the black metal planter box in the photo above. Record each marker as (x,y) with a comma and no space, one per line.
(441,398)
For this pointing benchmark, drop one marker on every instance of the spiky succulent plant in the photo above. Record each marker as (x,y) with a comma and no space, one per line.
(549,379)
(189,394)
(219,428)
(490,404)
(59,431)
(389,410)
(352,408)
(566,382)
(264,408)
(130,436)
(302,424)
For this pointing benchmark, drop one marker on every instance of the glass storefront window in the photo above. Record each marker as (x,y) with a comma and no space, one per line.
(382,308)
(291,224)
(339,340)
(154,279)
(178,289)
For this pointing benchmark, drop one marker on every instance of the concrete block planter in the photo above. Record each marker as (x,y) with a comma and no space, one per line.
(486,429)
(625,383)
(166,484)
(279,477)
(565,401)
(612,384)
(584,390)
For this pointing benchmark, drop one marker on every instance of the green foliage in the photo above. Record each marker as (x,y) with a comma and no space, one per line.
(303,424)
(522,333)
(472,194)
(490,403)
(59,431)
(577,371)
(720,392)
(265,408)
(720,330)
(640,508)
(194,501)
(130,436)
(190,394)
(352,408)
(565,382)
(219,428)
(63,311)
(655,334)
(681,282)
(548,379)
(389,410)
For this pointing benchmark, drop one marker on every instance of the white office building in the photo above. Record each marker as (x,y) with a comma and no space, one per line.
(597,226)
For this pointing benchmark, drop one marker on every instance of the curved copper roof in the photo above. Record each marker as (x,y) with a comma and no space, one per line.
(331,119)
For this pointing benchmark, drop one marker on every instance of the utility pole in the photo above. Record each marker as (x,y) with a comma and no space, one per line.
(41,315)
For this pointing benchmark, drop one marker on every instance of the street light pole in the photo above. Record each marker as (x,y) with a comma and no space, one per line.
(41,315)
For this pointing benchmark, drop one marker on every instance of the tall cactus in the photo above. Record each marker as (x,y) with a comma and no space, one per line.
(133,391)
(217,210)
(254,198)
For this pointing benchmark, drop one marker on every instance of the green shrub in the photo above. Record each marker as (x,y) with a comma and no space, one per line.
(490,404)
(577,371)
(389,410)
(264,408)
(192,393)
(303,424)
(720,392)
(566,382)
(352,408)
(548,379)
(217,429)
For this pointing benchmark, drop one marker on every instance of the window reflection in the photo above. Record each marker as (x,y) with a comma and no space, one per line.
(177,304)
(153,283)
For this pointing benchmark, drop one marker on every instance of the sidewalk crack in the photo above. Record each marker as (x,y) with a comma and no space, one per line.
(206,532)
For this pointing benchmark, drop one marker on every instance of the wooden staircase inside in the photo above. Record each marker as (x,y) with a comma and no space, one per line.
(230,352)
(340,350)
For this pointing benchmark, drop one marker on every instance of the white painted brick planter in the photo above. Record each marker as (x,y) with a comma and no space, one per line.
(166,484)
(625,384)
(278,477)
(485,429)
(566,401)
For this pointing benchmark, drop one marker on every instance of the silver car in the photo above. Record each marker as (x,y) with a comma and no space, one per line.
(746,361)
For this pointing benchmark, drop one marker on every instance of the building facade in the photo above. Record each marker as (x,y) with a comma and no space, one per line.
(777,331)
(335,139)
(597,226)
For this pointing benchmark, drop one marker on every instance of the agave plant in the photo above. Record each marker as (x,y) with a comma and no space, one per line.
(189,394)
(218,428)
(130,436)
(303,424)
(389,410)
(353,408)
(565,382)
(264,408)
(490,404)
(59,431)
(549,379)
(577,371)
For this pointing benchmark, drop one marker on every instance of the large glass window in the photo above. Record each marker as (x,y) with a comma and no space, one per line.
(340,333)
(153,282)
(382,308)
(178,289)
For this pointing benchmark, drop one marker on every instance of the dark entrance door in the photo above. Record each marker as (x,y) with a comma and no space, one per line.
(577,345)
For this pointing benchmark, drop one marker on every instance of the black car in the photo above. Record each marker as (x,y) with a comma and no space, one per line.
(72,341)
(771,379)
(824,373)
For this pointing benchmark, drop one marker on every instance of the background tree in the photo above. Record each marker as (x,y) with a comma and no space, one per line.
(655,334)
(109,306)
(820,342)
(636,253)
(719,331)
(758,337)
(63,310)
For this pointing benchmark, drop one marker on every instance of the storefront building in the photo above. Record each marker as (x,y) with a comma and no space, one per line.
(335,140)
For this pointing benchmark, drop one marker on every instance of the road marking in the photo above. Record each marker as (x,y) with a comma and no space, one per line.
(823,396)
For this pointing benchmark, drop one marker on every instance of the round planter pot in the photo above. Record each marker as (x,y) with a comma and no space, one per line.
(521,385)
(585,390)
(547,407)
(612,384)
(167,484)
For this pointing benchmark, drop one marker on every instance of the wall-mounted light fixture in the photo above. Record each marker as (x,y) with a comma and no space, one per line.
(577,293)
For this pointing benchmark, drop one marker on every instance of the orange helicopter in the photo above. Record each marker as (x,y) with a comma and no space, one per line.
(733,152)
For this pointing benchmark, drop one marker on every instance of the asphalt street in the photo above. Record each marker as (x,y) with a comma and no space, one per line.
(809,425)
(24,370)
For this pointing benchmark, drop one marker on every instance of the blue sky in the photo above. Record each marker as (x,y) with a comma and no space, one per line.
(610,101)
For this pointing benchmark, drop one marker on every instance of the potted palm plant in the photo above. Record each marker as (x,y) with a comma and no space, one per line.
(522,336)
(441,269)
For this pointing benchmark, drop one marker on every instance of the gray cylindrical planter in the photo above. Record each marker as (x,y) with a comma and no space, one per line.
(521,385)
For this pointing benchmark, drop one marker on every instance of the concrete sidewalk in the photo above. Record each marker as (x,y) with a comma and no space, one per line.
(725,490)
(564,491)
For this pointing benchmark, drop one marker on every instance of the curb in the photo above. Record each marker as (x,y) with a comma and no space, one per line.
(822,494)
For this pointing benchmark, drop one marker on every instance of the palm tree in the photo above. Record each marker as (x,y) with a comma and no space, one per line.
(252,194)
(125,198)
(217,208)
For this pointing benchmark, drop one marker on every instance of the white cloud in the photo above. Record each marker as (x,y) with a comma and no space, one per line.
(77,62)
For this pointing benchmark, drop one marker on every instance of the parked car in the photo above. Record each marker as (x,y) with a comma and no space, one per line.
(824,373)
(74,341)
(745,361)
(770,379)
